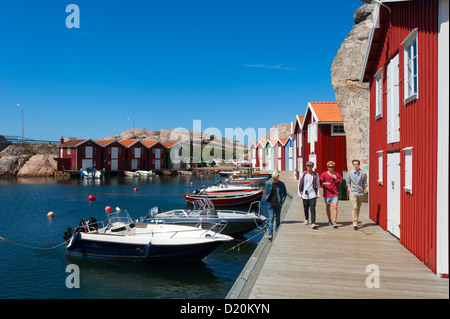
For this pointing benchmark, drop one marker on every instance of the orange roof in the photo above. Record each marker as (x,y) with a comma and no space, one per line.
(283,140)
(150,143)
(169,144)
(326,111)
(105,142)
(128,143)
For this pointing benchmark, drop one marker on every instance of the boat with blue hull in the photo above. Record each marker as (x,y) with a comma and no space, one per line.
(123,239)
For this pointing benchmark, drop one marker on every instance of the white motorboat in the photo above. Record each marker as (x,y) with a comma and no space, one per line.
(91,172)
(122,239)
(145,173)
(131,173)
(204,214)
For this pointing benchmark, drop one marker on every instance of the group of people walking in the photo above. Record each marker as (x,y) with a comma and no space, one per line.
(308,189)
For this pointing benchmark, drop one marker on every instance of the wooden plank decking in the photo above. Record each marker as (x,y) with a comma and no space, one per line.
(331,263)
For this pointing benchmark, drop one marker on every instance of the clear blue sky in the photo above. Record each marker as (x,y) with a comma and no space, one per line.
(164,63)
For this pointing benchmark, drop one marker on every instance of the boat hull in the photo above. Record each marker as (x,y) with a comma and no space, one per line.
(141,253)
(226,199)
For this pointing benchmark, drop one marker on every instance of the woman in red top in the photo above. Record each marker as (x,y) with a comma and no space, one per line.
(331,180)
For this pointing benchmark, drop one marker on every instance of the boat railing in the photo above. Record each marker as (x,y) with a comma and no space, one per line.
(259,207)
(90,227)
(216,228)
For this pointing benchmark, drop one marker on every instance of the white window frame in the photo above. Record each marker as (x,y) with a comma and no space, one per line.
(333,133)
(380,167)
(379,94)
(407,43)
(392,101)
(408,169)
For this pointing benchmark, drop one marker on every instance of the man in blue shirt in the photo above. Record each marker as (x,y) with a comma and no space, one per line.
(356,183)
(274,197)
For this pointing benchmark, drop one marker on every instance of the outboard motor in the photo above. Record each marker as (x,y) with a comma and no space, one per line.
(89,224)
(68,234)
(155,211)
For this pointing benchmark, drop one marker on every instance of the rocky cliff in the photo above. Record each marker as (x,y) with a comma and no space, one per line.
(28,160)
(351,95)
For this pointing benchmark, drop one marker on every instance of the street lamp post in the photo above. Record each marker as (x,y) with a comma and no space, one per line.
(22,119)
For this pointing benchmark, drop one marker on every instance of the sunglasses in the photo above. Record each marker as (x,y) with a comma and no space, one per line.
(330,166)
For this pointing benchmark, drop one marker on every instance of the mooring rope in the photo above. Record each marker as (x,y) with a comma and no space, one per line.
(238,246)
(28,246)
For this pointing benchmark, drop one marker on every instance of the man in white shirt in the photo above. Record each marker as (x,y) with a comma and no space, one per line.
(308,190)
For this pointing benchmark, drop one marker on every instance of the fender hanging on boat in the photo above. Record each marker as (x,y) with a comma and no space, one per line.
(148,251)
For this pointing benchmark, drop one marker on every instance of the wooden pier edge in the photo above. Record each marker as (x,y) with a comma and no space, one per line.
(243,285)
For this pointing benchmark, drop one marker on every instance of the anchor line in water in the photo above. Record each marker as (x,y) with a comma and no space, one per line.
(28,246)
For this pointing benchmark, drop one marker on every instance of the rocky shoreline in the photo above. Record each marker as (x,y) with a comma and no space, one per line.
(27,160)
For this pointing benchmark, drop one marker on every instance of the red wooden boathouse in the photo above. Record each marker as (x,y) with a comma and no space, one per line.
(323,137)
(136,155)
(79,154)
(114,155)
(406,65)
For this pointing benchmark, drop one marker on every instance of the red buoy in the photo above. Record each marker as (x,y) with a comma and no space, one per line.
(135,189)
(108,209)
(91,198)
(50,214)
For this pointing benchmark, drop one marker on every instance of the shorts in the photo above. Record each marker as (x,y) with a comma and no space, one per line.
(330,200)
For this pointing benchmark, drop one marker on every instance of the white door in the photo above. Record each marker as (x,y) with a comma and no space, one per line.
(85,163)
(279,165)
(157,164)
(114,164)
(393,101)
(114,152)
(393,193)
(134,163)
(88,152)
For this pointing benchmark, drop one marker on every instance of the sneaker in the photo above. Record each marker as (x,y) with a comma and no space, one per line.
(334,224)
(270,238)
(355,226)
(314,226)
(306,222)
(330,222)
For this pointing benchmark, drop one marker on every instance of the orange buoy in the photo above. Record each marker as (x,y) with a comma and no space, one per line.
(108,209)
(50,214)
(192,183)
(91,198)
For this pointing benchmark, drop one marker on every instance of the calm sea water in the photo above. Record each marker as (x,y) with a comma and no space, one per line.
(27,272)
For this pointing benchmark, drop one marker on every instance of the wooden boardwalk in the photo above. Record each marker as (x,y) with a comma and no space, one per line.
(331,263)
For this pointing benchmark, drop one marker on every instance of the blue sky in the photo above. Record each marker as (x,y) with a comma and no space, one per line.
(164,64)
